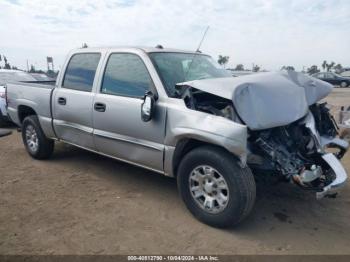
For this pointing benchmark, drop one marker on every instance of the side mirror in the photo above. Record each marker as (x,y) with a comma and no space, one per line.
(147,107)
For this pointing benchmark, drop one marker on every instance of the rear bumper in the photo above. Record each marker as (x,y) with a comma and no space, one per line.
(339,172)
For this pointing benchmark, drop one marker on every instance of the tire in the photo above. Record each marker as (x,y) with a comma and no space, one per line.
(240,184)
(343,84)
(37,144)
(3,121)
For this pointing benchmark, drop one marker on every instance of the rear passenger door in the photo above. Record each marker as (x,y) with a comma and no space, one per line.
(73,100)
(118,128)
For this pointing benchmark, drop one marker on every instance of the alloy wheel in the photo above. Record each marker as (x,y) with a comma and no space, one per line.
(209,189)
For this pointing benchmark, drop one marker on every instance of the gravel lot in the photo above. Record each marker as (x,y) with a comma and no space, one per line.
(82,203)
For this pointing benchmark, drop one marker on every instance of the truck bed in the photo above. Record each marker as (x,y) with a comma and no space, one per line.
(35,95)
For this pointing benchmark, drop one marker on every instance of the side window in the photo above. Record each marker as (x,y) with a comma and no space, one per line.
(80,72)
(329,75)
(126,75)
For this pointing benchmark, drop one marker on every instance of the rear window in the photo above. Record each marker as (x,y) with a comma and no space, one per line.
(80,72)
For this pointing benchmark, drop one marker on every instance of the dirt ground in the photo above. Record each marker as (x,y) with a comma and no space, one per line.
(82,203)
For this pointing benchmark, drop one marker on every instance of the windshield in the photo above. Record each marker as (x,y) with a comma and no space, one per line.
(15,76)
(176,68)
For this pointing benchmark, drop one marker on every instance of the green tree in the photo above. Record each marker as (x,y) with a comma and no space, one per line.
(256,68)
(330,66)
(239,67)
(32,69)
(312,70)
(7,65)
(288,68)
(223,60)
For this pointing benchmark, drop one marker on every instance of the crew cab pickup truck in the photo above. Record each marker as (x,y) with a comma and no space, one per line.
(178,114)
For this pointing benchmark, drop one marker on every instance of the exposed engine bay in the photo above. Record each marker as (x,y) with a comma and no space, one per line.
(208,103)
(293,152)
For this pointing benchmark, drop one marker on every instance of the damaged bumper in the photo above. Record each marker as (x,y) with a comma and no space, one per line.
(340,176)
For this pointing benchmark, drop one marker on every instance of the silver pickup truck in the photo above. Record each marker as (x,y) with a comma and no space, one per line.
(178,114)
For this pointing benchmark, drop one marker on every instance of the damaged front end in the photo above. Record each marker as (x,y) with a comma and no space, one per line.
(299,153)
(290,135)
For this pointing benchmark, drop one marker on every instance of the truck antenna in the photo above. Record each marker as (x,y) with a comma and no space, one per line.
(197,52)
(200,43)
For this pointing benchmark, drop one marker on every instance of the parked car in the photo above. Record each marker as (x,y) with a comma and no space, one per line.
(5,77)
(333,78)
(235,73)
(346,74)
(41,77)
(5,133)
(178,114)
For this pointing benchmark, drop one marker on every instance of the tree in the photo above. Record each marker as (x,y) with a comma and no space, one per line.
(84,45)
(32,69)
(313,70)
(7,65)
(338,68)
(52,74)
(330,66)
(223,60)
(288,68)
(324,65)
(256,68)
(239,67)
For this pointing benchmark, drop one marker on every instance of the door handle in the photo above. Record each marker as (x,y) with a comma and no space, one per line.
(100,107)
(62,100)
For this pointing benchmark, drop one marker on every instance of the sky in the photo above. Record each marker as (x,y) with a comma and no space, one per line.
(267,33)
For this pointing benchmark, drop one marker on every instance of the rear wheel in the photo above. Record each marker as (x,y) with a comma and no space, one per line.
(37,144)
(215,188)
(343,84)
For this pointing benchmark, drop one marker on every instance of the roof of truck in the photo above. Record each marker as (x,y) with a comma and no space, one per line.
(158,49)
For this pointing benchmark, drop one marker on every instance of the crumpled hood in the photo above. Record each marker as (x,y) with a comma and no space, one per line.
(267,100)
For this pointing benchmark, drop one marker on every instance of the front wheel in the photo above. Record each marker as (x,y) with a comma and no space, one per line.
(215,188)
(37,144)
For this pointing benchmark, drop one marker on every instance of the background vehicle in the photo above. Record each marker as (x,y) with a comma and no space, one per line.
(5,133)
(239,73)
(5,77)
(346,74)
(333,78)
(177,113)
(41,77)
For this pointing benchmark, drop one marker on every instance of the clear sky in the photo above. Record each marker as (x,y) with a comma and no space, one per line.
(268,33)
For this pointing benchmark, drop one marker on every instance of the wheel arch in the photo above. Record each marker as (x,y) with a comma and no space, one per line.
(185,145)
(24,111)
